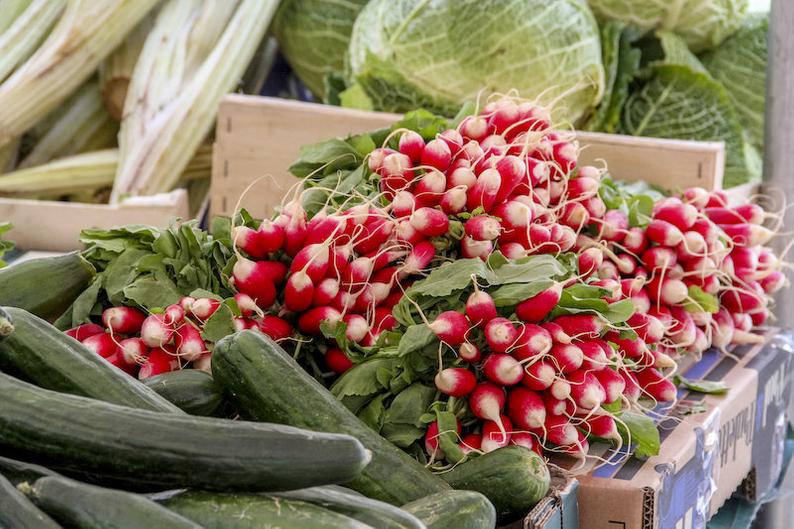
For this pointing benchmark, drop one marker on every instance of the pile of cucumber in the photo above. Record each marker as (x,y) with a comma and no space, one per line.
(259,444)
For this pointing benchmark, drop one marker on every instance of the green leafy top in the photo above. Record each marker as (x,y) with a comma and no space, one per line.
(5,246)
(635,199)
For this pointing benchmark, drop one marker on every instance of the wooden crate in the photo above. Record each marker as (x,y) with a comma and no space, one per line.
(55,226)
(257,138)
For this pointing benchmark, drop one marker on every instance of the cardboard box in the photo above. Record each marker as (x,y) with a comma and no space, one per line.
(735,445)
(55,226)
(258,138)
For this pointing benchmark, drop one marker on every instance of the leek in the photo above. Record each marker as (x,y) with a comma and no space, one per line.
(26,32)
(86,33)
(10,11)
(153,156)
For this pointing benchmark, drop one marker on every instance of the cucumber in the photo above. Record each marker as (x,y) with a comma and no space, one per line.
(268,385)
(373,512)
(19,471)
(256,511)
(146,450)
(75,504)
(45,287)
(38,352)
(6,323)
(192,390)
(514,479)
(454,509)
(18,512)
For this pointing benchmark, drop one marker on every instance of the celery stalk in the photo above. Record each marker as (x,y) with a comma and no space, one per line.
(23,36)
(152,160)
(86,33)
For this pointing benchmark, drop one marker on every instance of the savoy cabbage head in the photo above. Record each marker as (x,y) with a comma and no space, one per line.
(313,35)
(703,24)
(437,54)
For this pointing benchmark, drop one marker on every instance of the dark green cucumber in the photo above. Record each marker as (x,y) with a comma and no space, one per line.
(145,450)
(38,352)
(454,509)
(20,471)
(18,512)
(192,390)
(45,287)
(268,385)
(6,323)
(372,512)
(514,479)
(78,505)
(256,511)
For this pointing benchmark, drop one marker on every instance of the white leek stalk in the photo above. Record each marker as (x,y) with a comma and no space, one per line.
(153,156)
(86,33)
(86,172)
(23,36)
(10,11)
(84,125)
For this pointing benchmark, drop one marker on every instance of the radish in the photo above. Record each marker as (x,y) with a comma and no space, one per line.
(325,292)
(455,381)
(612,286)
(500,334)
(430,222)
(539,306)
(663,233)
(534,341)
(275,270)
(655,385)
(496,434)
(412,145)
(453,139)
(81,332)
(132,351)
(271,236)
(294,235)
(159,361)
(613,383)
(635,241)
(471,151)
(462,177)
(474,249)
(693,246)
(567,357)
(396,173)
(667,291)
(469,352)
(471,443)
(450,327)
(680,215)
(632,389)
(482,228)
(483,192)
(747,234)
(773,282)
(276,328)
(357,327)
(649,328)
(383,320)
(437,154)
(581,325)
(747,213)
(595,207)
(512,171)
(759,317)
(188,342)
(574,215)
(527,440)
(309,322)
(480,307)
(560,389)
(298,292)
(312,260)
(514,214)
(251,278)
(595,357)
(634,348)
(589,261)
(102,344)
(586,391)
(556,332)
(539,171)
(419,258)
(373,235)
(376,157)
(487,401)
(337,361)
(246,305)
(506,114)
(697,196)
(430,188)
(513,250)
(502,369)
(615,226)
(123,320)
(249,241)
(241,324)
(747,300)
(539,375)
(559,430)
(155,331)
(525,408)
(403,204)
(601,426)
(203,308)
(608,270)
(453,201)
(186,303)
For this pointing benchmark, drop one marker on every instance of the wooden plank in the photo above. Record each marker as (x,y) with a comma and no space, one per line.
(258,138)
(55,226)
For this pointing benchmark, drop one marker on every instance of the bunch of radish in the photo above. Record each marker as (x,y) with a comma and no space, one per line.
(147,345)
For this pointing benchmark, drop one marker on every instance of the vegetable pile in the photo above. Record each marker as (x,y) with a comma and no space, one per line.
(707,57)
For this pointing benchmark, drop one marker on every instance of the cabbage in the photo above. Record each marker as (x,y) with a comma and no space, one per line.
(313,36)
(703,24)
(677,101)
(437,54)
(740,64)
